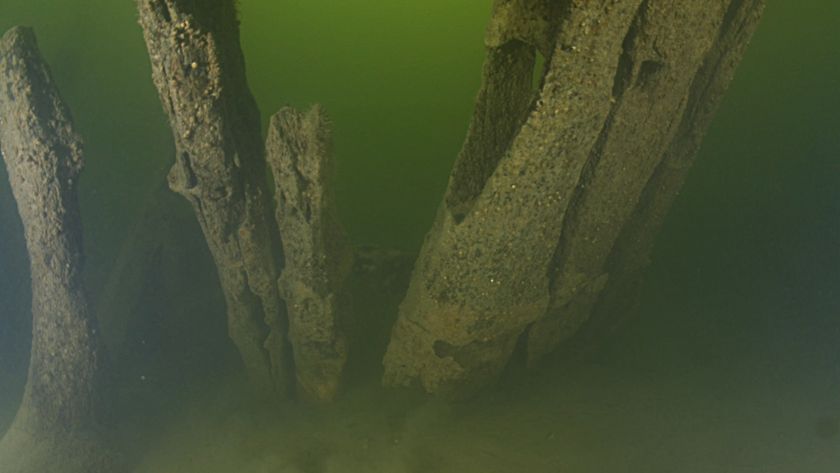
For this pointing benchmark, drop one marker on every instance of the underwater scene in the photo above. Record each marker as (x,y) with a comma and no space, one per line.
(495,236)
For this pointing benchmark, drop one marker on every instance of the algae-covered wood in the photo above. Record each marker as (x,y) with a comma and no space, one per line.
(547,182)
(57,428)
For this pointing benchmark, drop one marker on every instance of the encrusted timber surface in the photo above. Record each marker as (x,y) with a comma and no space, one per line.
(199,71)
(662,81)
(58,424)
(557,188)
(483,273)
(631,252)
(316,256)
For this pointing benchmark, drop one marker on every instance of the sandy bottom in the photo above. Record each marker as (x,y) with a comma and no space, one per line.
(688,394)
(626,413)
(729,379)
(582,419)
(722,378)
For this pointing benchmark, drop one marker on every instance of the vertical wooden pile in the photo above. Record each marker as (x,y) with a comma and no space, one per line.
(316,258)
(550,200)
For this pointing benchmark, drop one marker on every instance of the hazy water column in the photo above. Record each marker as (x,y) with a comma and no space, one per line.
(398,79)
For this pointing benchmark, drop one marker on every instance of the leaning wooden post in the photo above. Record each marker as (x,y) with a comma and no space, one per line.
(482,276)
(631,253)
(555,191)
(57,427)
(199,71)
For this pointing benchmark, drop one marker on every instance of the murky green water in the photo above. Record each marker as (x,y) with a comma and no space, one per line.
(732,368)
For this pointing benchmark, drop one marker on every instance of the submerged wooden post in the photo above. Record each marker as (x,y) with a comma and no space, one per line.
(199,71)
(316,257)
(631,253)
(546,189)
(483,274)
(57,427)
(663,54)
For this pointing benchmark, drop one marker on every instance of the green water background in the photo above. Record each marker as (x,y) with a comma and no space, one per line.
(761,208)
(398,79)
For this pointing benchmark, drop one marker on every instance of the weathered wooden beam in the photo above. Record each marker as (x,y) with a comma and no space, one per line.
(57,427)
(199,71)
(662,53)
(316,256)
(483,274)
(551,190)
(630,255)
